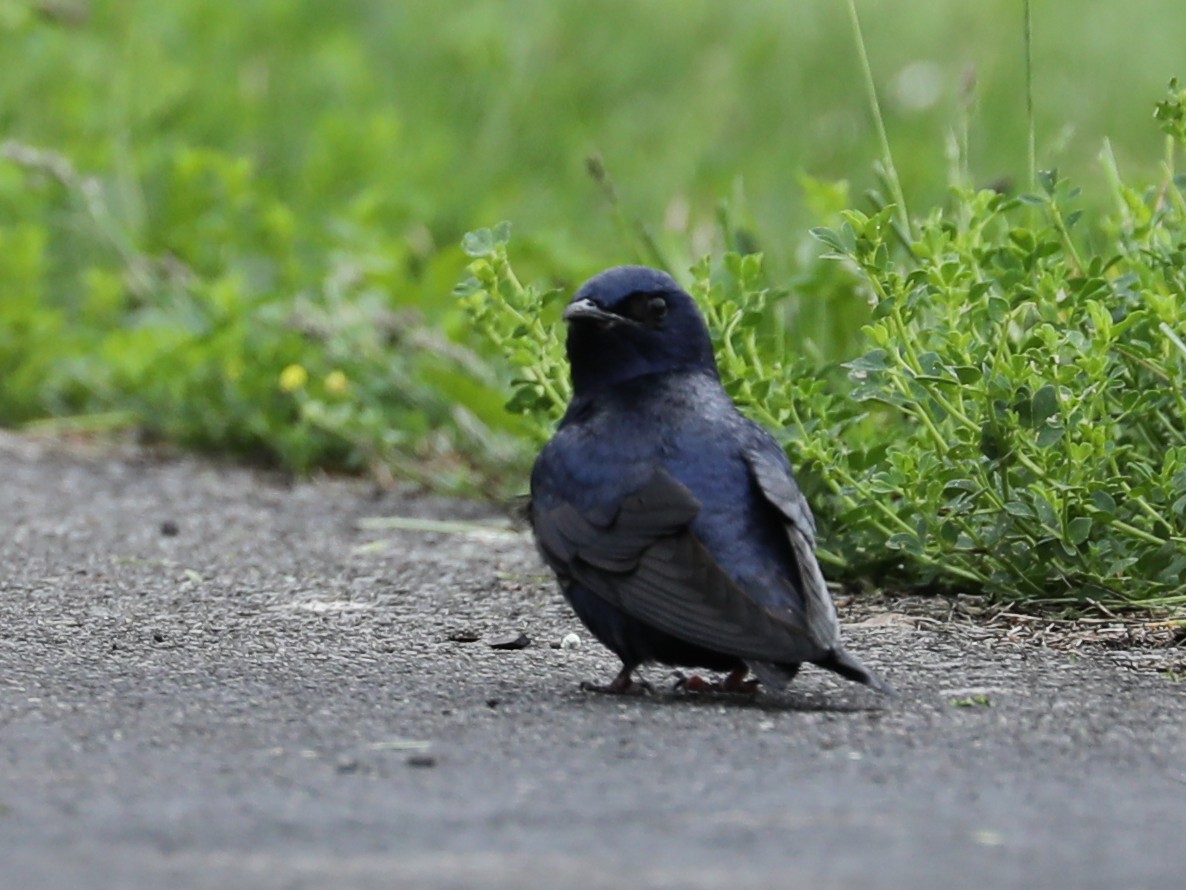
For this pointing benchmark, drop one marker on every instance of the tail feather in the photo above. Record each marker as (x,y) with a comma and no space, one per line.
(774,677)
(849,667)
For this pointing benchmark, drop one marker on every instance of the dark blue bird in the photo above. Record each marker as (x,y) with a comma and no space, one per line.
(673,524)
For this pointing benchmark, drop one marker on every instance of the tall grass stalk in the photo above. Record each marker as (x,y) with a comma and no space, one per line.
(1032,147)
(887,157)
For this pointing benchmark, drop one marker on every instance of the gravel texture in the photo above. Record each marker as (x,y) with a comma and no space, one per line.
(210,678)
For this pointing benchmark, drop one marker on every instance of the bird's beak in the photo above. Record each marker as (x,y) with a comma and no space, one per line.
(587,310)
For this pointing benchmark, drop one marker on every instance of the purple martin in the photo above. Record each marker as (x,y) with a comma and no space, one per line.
(673,523)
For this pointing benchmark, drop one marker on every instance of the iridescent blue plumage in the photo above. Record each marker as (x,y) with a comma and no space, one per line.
(673,523)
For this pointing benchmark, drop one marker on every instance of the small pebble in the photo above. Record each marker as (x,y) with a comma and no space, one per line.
(522,641)
(570,641)
(421,760)
(170,529)
(464,636)
(347,765)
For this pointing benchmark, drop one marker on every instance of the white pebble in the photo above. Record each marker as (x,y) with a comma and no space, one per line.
(570,641)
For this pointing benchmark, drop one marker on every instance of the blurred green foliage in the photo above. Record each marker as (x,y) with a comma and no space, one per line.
(238,225)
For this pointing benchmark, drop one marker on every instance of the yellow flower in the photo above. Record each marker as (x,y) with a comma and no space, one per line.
(293,377)
(336,382)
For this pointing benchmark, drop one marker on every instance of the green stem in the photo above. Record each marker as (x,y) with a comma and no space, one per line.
(1138,533)
(1172,336)
(1116,184)
(887,156)
(1031,146)
(1149,511)
(1065,234)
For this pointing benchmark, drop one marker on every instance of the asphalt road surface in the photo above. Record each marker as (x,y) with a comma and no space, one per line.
(211,679)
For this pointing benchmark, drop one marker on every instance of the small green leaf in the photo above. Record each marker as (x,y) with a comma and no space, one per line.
(905,541)
(884,307)
(1104,503)
(876,360)
(1019,509)
(998,308)
(949,533)
(991,444)
(1044,405)
(478,243)
(962,485)
(1079,530)
(1049,435)
(501,234)
(828,237)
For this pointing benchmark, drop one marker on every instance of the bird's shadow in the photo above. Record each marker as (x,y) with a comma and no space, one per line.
(786,702)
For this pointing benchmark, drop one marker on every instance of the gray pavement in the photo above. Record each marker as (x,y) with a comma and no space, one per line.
(209,678)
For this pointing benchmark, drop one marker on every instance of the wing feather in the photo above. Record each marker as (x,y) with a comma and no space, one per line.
(647,562)
(778,487)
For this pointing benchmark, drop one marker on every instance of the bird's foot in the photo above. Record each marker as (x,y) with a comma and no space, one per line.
(734,684)
(737,683)
(694,683)
(623,684)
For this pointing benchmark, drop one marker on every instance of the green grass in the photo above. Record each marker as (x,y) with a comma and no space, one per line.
(197,198)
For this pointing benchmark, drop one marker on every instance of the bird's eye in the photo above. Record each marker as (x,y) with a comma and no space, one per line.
(656,309)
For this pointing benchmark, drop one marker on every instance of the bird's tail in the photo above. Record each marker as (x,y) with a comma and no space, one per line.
(849,667)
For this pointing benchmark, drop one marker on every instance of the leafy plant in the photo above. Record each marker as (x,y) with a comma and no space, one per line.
(1039,443)
(1016,420)
(510,317)
(217,327)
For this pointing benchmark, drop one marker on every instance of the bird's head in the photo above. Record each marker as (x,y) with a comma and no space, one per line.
(631,321)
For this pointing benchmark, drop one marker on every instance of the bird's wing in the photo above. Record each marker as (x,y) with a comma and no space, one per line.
(645,560)
(774,480)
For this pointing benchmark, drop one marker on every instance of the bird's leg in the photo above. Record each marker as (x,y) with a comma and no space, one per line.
(622,684)
(737,683)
